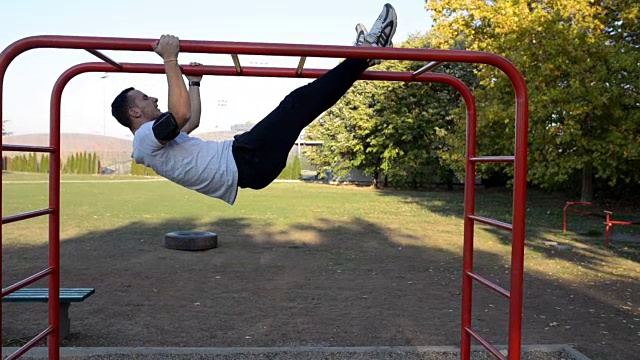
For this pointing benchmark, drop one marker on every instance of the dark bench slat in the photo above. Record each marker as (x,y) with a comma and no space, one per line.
(42,295)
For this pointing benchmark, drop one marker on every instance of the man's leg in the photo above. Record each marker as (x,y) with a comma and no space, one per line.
(261,153)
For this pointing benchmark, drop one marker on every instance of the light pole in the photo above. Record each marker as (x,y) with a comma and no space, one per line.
(104,104)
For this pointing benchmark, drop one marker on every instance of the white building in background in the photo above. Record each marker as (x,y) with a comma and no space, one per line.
(241,127)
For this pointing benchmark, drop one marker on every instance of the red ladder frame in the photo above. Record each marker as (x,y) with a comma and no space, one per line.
(435,58)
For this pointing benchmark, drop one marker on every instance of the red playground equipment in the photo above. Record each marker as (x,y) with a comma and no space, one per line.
(433,58)
(608,222)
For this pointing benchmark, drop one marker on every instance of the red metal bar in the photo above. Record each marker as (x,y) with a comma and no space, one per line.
(54,219)
(467,247)
(519,213)
(500,290)
(263,72)
(24,216)
(27,148)
(484,220)
(566,210)
(26,282)
(488,346)
(485,159)
(26,347)
(104,58)
(273,49)
(279,72)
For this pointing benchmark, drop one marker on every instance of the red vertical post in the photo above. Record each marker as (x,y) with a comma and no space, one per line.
(519,213)
(467,257)
(4,63)
(54,221)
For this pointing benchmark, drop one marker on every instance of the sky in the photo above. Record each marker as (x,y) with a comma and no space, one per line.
(87,98)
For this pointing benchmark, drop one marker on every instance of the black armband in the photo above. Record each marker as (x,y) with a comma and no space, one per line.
(165,127)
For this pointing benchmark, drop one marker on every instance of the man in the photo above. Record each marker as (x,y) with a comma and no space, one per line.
(253,159)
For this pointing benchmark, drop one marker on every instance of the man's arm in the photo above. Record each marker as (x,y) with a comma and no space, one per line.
(194,96)
(179,104)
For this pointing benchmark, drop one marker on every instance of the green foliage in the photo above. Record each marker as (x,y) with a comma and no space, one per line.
(5,132)
(292,171)
(81,163)
(580,59)
(44,164)
(296,168)
(393,130)
(31,162)
(141,170)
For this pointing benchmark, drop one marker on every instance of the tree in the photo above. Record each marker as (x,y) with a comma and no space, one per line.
(577,57)
(393,131)
(296,168)
(5,132)
(346,130)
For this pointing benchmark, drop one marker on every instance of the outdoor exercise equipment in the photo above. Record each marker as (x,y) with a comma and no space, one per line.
(608,221)
(191,240)
(434,58)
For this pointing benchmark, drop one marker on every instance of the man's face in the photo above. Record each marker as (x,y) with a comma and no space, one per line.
(143,105)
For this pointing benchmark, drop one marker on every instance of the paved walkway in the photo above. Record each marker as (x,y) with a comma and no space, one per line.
(533,352)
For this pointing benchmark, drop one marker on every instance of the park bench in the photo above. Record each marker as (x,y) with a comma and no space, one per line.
(67,296)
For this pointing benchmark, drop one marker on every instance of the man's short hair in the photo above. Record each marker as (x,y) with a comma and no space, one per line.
(120,108)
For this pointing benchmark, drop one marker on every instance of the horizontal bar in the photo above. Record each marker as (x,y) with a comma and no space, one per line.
(271,49)
(28,148)
(28,215)
(430,66)
(486,344)
(484,220)
(262,72)
(26,347)
(486,159)
(578,203)
(301,65)
(500,290)
(25,282)
(584,213)
(236,63)
(104,58)
(618,222)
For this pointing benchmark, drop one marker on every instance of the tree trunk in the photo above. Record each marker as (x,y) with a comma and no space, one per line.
(376,174)
(587,183)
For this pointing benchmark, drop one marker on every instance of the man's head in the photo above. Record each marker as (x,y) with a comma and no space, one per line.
(132,108)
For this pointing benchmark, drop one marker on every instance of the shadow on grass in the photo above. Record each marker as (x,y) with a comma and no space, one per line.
(325,283)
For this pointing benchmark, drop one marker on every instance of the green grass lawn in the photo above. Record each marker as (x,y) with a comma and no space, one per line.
(429,219)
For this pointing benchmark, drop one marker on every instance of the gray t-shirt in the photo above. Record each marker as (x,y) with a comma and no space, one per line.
(207,167)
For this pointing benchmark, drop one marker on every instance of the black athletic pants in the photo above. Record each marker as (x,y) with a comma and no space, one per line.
(261,153)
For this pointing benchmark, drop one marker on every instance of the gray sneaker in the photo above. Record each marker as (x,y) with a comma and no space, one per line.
(384,28)
(361,32)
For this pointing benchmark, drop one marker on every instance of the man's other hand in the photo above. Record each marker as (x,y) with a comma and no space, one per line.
(194,77)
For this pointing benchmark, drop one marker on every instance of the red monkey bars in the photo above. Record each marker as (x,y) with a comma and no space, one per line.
(436,58)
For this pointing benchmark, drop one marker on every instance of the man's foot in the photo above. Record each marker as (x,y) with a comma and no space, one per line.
(361,32)
(384,28)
